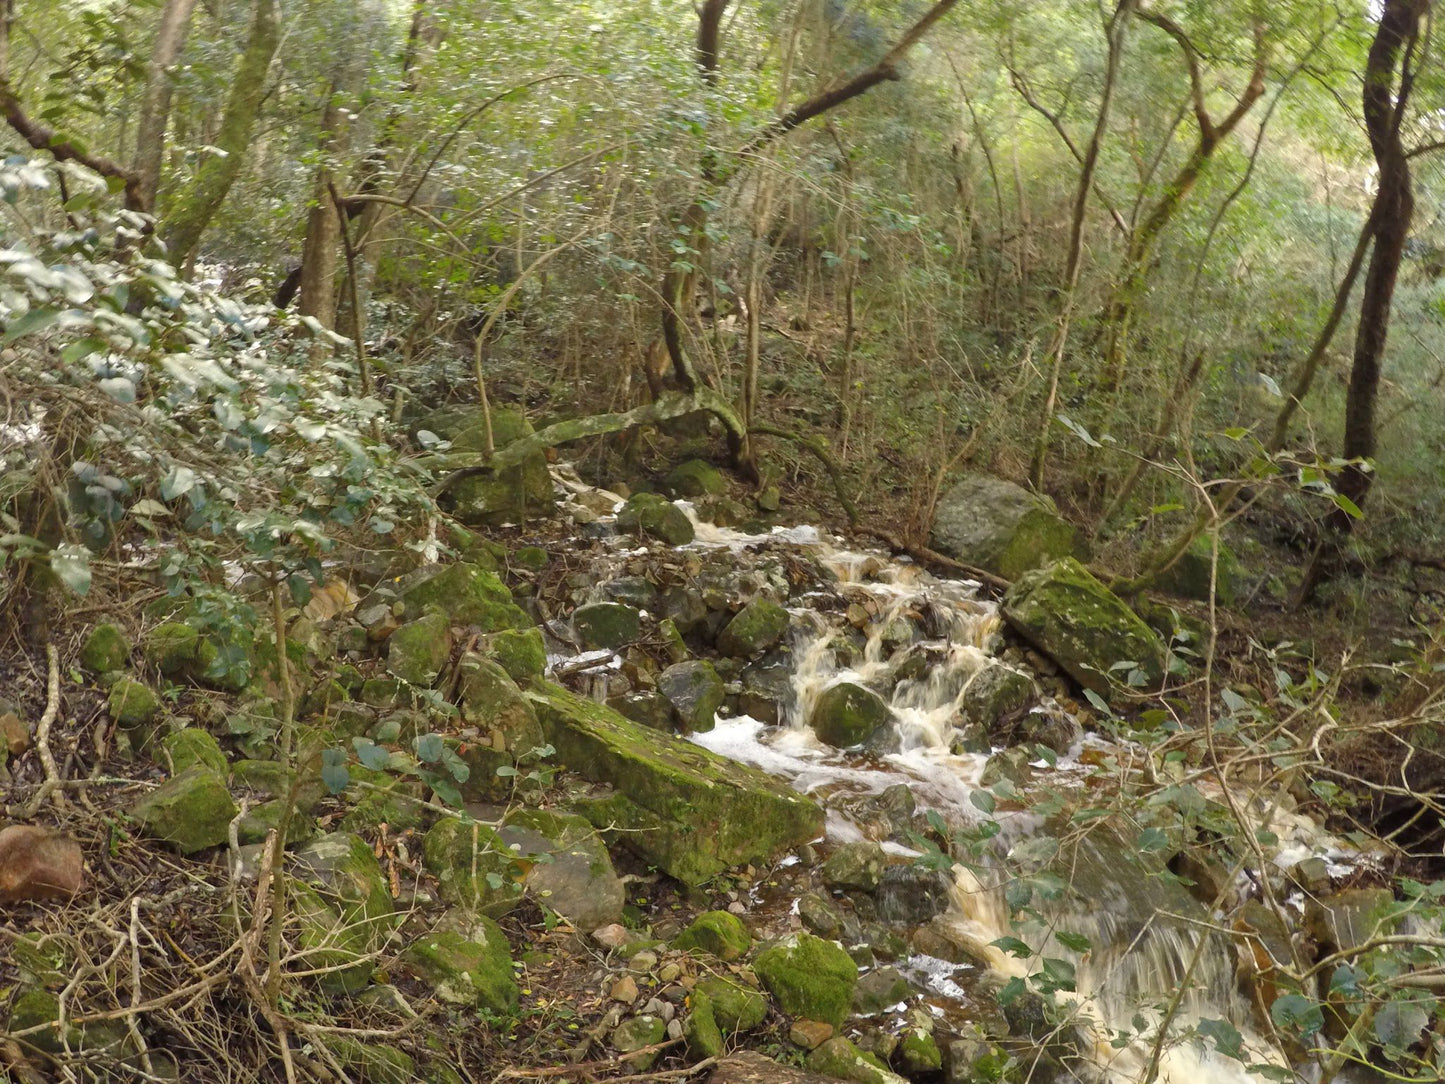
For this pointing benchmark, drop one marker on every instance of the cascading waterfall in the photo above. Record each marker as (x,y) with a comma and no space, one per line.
(1151,949)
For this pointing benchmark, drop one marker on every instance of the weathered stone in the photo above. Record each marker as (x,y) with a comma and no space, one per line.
(918,1052)
(521,652)
(880,989)
(132,704)
(755,628)
(1348,919)
(488,698)
(1001,527)
(104,650)
(655,517)
(262,819)
(38,863)
(606,624)
(1190,576)
(704,1037)
(192,810)
(810,977)
(750,1067)
(417,651)
(695,692)
(531,558)
(570,872)
(994,693)
(648,708)
(637,1033)
(172,646)
(841,1060)
(809,1034)
(186,748)
(910,894)
(847,714)
(476,973)
(819,916)
(14,735)
(491,498)
(717,932)
(855,866)
(695,478)
(1083,626)
(376,1063)
(466,593)
(688,811)
(1014,764)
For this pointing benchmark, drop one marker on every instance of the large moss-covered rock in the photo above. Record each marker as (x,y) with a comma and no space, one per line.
(473,865)
(569,870)
(735,1007)
(880,989)
(755,628)
(1082,625)
(417,651)
(492,497)
(810,977)
(1189,577)
(695,478)
(1001,527)
(132,703)
(695,692)
(994,693)
(105,649)
(476,973)
(856,866)
(193,810)
(718,932)
(687,810)
(344,907)
(373,1062)
(650,515)
(606,624)
(848,714)
(171,646)
(466,593)
(704,1038)
(637,1033)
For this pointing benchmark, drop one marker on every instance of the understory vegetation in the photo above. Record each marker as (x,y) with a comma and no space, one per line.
(352,727)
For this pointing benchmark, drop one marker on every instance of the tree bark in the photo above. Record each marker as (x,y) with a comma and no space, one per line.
(155,107)
(198,202)
(323,227)
(1394,207)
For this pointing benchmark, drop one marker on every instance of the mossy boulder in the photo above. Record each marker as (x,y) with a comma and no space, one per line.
(606,624)
(186,748)
(736,1007)
(918,1053)
(856,866)
(1083,626)
(809,977)
(375,1063)
(172,646)
(104,650)
(753,629)
(700,1030)
(473,865)
(489,699)
(465,592)
(417,651)
(475,973)
(840,1059)
(998,526)
(262,819)
(1189,577)
(720,933)
(996,692)
(521,652)
(688,811)
(653,516)
(344,907)
(132,703)
(695,692)
(35,1008)
(695,478)
(848,714)
(492,497)
(636,1034)
(568,869)
(880,989)
(192,811)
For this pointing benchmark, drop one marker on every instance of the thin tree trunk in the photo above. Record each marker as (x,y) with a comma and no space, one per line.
(155,106)
(198,202)
(323,226)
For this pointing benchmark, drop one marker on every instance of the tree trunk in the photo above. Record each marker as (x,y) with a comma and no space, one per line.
(155,106)
(323,226)
(1394,206)
(198,202)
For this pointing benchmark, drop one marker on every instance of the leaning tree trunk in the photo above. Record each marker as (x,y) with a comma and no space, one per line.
(1394,43)
(198,202)
(155,106)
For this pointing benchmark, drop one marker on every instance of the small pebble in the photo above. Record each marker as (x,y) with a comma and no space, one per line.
(674,1029)
(737,909)
(669,972)
(613,936)
(642,962)
(624,990)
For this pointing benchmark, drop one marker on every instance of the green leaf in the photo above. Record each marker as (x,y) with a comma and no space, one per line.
(429,747)
(982,799)
(1398,1023)
(179,482)
(371,755)
(1347,506)
(1013,946)
(71,564)
(1227,1039)
(28,324)
(1078,430)
(1011,991)
(1153,839)
(1076,941)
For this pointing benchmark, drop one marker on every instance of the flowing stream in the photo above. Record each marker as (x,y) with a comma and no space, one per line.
(1139,948)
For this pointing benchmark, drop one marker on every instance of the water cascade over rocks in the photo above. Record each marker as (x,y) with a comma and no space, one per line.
(914,673)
